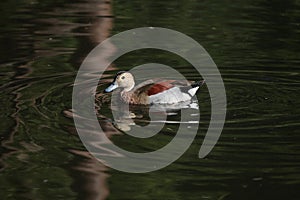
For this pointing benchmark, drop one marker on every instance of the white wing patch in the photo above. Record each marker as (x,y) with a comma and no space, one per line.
(173,95)
(193,91)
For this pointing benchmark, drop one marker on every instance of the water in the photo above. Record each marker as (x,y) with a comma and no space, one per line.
(255,44)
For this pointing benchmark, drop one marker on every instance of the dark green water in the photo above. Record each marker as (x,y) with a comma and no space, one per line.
(255,44)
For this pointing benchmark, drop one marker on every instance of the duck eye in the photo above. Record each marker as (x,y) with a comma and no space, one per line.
(123,77)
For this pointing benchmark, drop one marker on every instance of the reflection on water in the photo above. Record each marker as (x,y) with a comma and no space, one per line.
(254,44)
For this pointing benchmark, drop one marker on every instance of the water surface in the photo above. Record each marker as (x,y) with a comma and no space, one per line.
(255,44)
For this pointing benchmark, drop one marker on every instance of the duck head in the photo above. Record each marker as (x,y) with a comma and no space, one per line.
(123,80)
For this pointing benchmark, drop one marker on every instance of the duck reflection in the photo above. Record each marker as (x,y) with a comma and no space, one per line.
(146,118)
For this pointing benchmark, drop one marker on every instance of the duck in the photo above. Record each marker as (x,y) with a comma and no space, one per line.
(153,91)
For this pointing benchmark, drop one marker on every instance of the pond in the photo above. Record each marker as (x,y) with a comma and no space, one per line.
(255,45)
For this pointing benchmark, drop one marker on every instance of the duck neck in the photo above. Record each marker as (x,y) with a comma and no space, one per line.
(126,96)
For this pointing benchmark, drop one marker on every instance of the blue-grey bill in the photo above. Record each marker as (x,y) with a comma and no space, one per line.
(111,87)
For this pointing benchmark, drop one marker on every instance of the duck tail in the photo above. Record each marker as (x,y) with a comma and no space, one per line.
(198,83)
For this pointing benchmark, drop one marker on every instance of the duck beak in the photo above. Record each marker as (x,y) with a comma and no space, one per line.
(113,86)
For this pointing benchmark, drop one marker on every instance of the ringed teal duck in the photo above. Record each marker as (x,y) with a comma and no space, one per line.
(153,91)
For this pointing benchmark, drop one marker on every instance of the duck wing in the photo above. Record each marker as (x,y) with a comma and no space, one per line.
(155,86)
